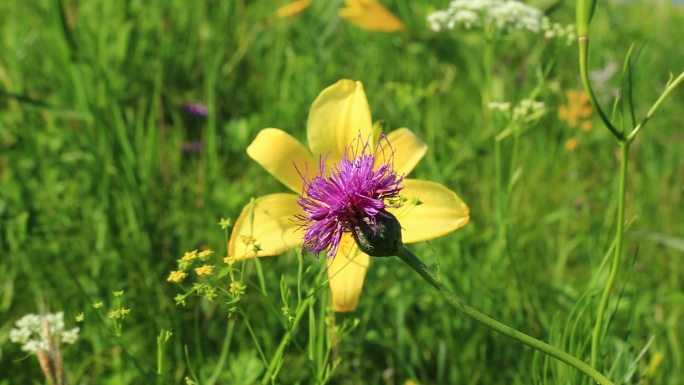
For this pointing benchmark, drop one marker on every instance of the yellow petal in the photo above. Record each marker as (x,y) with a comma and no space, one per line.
(371,16)
(292,9)
(278,152)
(339,116)
(346,272)
(407,148)
(431,210)
(265,227)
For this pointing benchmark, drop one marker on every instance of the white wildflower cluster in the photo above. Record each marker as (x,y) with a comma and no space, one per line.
(525,110)
(528,108)
(36,332)
(504,15)
(559,31)
(500,106)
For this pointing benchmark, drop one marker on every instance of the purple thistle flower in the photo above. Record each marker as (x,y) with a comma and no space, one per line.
(196,109)
(354,192)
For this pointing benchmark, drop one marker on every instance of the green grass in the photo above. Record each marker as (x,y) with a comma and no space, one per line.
(96,196)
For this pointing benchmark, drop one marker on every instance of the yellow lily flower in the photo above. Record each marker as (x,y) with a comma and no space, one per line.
(339,115)
(371,15)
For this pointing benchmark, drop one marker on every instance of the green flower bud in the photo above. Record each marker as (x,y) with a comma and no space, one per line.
(378,237)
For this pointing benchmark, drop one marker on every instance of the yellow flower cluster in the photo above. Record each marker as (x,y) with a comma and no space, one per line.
(577,113)
(176,276)
(186,262)
(204,270)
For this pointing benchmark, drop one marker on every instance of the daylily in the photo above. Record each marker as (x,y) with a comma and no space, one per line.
(340,115)
(370,15)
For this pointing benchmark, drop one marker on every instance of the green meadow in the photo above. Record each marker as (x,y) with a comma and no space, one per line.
(106,180)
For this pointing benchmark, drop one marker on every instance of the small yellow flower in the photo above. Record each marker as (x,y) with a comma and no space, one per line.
(118,293)
(176,276)
(204,254)
(80,317)
(98,305)
(339,115)
(571,144)
(236,288)
(204,270)
(225,223)
(230,261)
(371,15)
(189,256)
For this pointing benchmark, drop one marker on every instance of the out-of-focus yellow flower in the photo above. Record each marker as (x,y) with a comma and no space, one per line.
(411,382)
(292,9)
(204,270)
(654,363)
(176,276)
(205,253)
(577,113)
(339,115)
(571,144)
(371,16)
(189,256)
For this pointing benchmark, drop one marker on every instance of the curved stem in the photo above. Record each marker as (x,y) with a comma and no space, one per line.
(407,257)
(583,42)
(615,262)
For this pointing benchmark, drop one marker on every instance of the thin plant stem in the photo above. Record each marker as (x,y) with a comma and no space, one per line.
(670,87)
(487,60)
(583,42)
(419,267)
(615,261)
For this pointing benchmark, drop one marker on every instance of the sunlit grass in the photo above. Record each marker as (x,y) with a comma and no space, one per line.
(97,195)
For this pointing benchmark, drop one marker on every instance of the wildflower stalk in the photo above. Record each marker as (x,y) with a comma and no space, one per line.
(419,267)
(585,10)
(615,261)
(487,60)
(583,43)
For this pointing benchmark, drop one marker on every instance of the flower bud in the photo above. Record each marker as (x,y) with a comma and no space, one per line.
(379,236)
(584,12)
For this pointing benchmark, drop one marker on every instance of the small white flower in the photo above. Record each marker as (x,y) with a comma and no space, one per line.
(35,332)
(70,336)
(527,108)
(499,106)
(505,15)
(34,346)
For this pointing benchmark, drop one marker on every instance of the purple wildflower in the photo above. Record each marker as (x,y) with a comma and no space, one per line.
(195,146)
(354,192)
(196,109)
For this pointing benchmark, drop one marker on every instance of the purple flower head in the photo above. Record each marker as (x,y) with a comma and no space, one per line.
(195,146)
(196,109)
(354,191)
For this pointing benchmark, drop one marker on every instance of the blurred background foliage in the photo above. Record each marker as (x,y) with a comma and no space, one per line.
(97,193)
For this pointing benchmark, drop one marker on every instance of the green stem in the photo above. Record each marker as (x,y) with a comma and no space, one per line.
(615,262)
(583,42)
(407,257)
(670,87)
(487,59)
